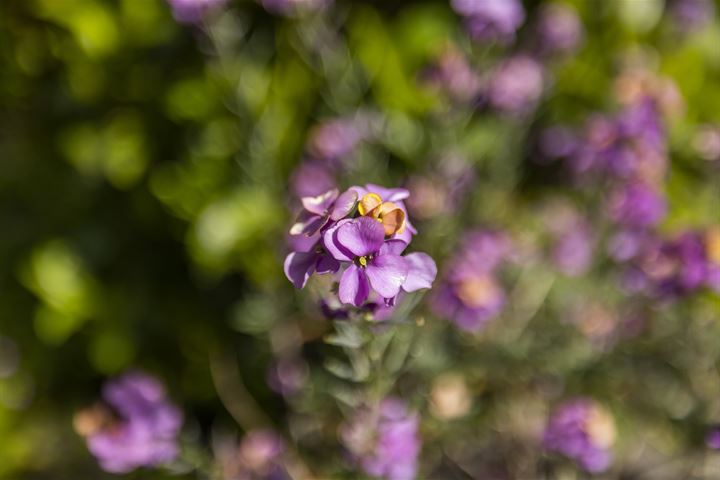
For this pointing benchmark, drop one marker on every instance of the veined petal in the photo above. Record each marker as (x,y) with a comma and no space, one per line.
(332,244)
(299,266)
(387,273)
(320,204)
(361,236)
(354,287)
(421,273)
(344,204)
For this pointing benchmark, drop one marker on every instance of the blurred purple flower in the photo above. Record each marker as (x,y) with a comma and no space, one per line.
(582,431)
(491,20)
(516,85)
(573,249)
(692,15)
(258,457)
(136,427)
(453,75)
(712,439)
(385,443)
(469,295)
(334,139)
(193,11)
(311,178)
(559,28)
(287,376)
(441,191)
(637,204)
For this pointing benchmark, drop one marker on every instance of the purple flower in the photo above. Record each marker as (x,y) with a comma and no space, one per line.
(323,208)
(692,15)
(384,443)
(637,204)
(136,427)
(374,263)
(712,439)
(573,250)
(559,28)
(259,456)
(491,20)
(453,75)
(193,11)
(516,85)
(470,295)
(582,431)
(334,139)
(311,178)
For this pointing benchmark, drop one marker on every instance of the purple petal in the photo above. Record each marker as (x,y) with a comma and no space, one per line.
(354,287)
(421,273)
(332,244)
(308,224)
(326,264)
(299,266)
(388,194)
(361,236)
(387,273)
(393,247)
(344,204)
(320,204)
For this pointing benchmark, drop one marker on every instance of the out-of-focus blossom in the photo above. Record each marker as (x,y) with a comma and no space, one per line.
(573,249)
(470,294)
(311,178)
(334,139)
(676,267)
(385,442)
(441,191)
(637,204)
(582,431)
(692,15)
(453,75)
(491,20)
(712,439)
(193,11)
(258,457)
(635,86)
(292,7)
(556,142)
(706,142)
(136,426)
(450,397)
(287,376)
(516,85)
(559,28)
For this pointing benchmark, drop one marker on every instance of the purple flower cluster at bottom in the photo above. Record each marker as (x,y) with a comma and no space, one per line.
(582,431)
(139,429)
(384,443)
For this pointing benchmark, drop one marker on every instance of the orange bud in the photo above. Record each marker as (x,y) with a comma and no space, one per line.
(392,217)
(368,204)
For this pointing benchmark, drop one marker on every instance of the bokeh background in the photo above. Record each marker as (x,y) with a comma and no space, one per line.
(150,169)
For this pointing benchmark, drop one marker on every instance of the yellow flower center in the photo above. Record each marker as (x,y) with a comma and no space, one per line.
(712,244)
(389,214)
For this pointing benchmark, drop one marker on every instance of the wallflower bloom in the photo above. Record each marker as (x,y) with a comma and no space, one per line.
(712,439)
(495,20)
(386,443)
(637,205)
(559,28)
(516,85)
(192,11)
(470,295)
(582,431)
(258,457)
(362,234)
(136,426)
